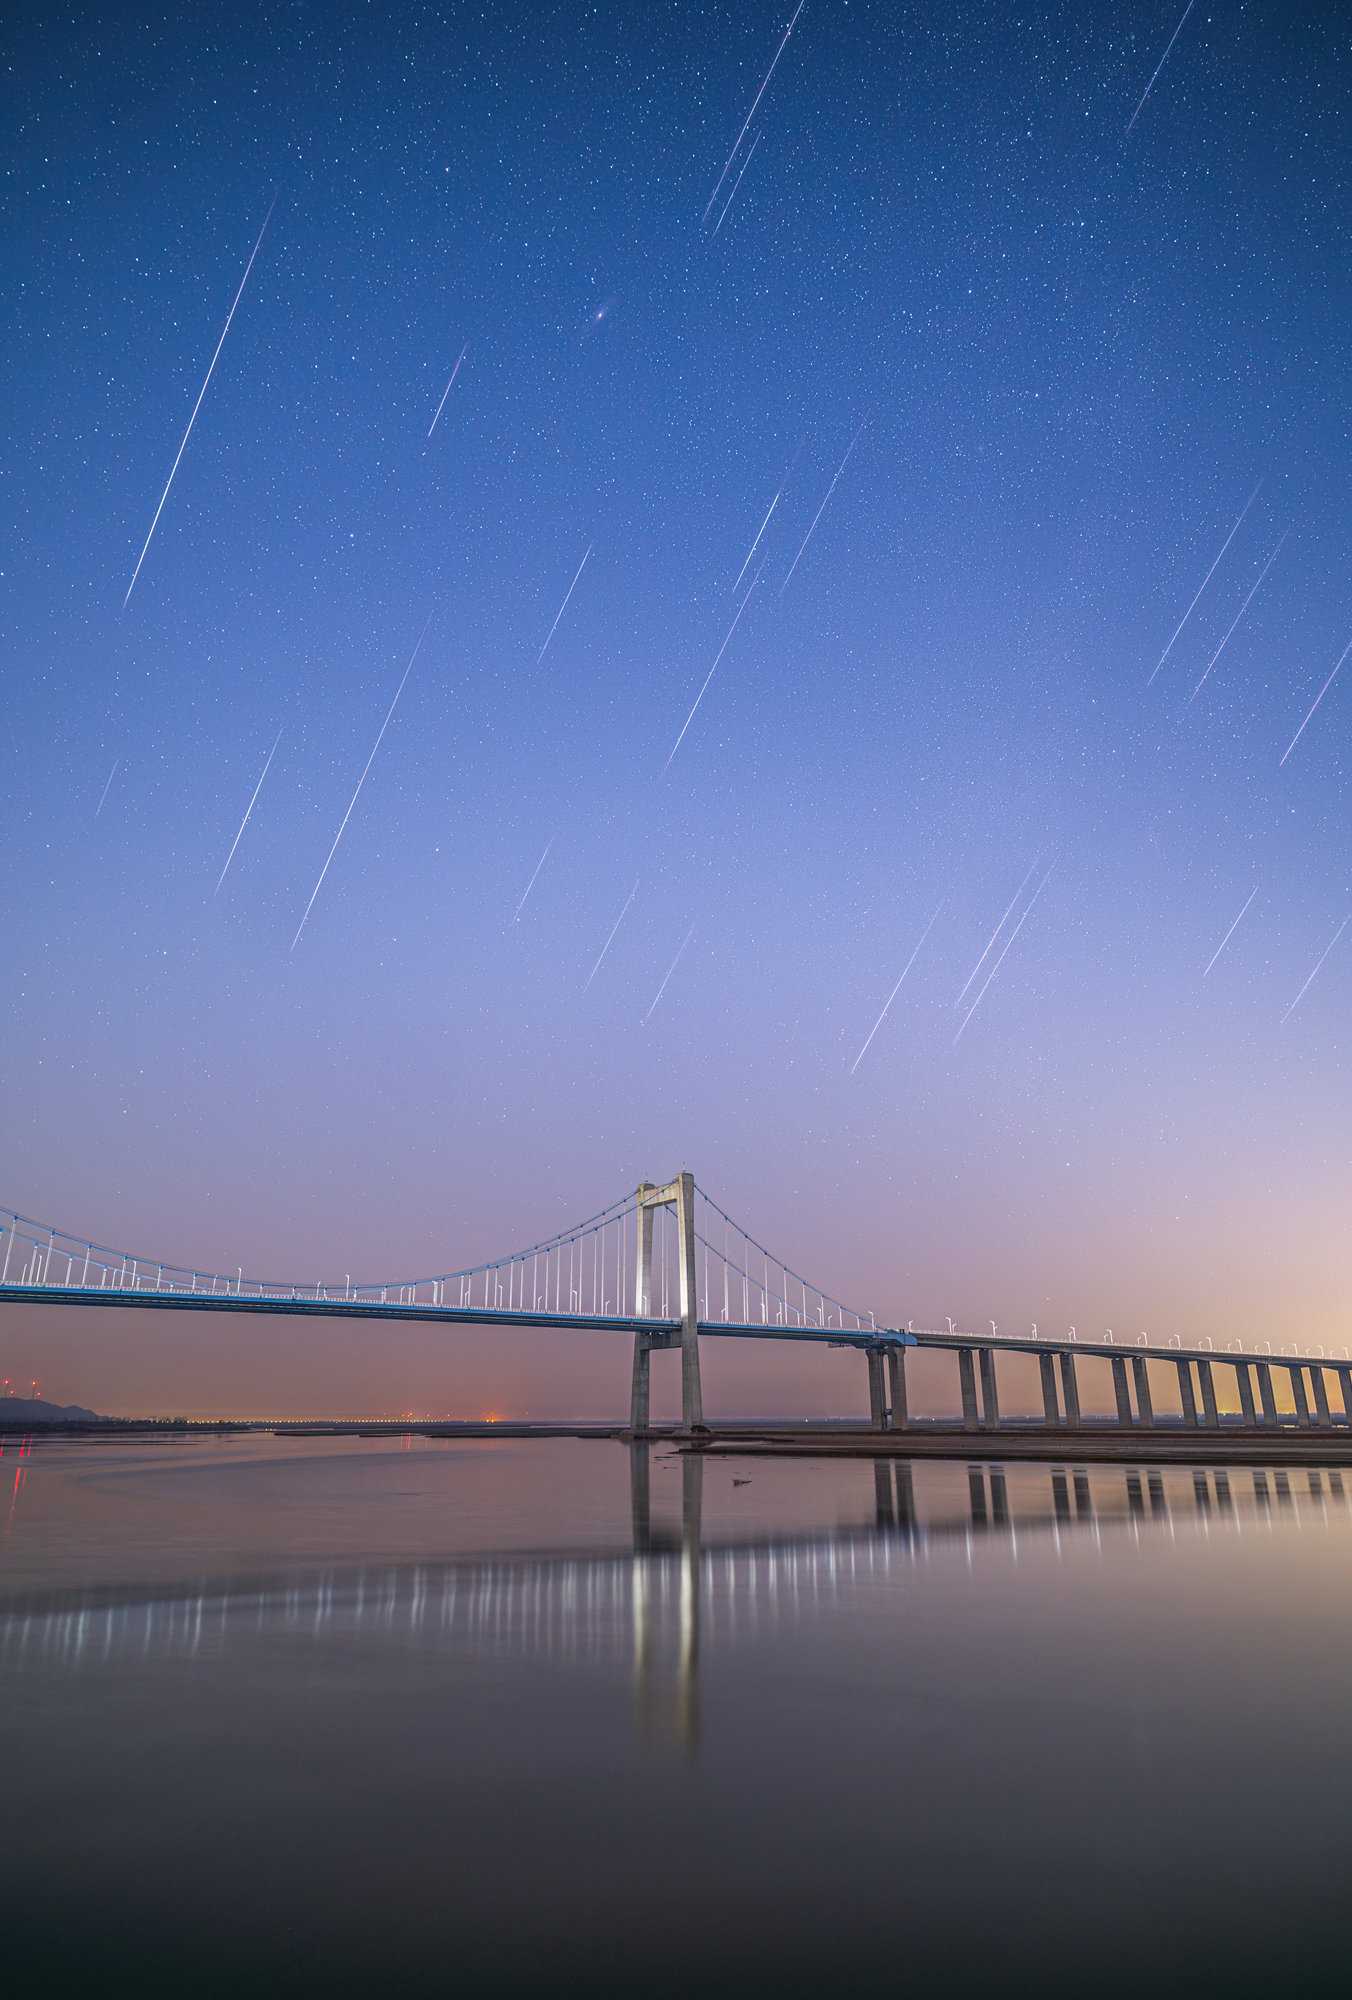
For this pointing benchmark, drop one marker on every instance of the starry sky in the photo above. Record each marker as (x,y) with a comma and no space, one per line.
(1010,374)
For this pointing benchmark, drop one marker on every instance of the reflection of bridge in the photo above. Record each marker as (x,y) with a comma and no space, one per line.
(668,1265)
(651,1610)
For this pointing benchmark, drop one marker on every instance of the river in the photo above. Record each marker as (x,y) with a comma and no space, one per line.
(560,1716)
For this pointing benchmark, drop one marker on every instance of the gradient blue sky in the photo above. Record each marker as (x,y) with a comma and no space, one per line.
(1074,354)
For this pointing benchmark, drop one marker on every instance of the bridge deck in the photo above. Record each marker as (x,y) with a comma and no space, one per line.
(393,1309)
(669,1329)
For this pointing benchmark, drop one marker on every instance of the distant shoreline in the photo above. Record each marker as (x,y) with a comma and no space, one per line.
(1095,1443)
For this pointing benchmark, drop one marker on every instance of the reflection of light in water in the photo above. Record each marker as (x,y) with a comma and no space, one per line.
(654,1609)
(20,1472)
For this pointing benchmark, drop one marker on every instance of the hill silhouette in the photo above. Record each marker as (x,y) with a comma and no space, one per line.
(21,1413)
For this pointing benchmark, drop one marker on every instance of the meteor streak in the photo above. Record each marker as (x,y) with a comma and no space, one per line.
(1318,698)
(713,669)
(766,522)
(736,184)
(111,775)
(752,112)
(531,884)
(998,928)
(360,782)
(895,990)
(1001,959)
(822,509)
(1230,933)
(198,404)
(1205,581)
(670,969)
(1310,981)
(449,386)
(564,606)
(756,544)
(611,939)
(1238,615)
(1162,61)
(245,821)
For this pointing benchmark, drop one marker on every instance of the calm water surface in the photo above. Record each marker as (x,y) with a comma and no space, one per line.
(510,1718)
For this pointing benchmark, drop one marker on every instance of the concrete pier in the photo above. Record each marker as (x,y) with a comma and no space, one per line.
(990,1402)
(1051,1409)
(1266,1397)
(876,1403)
(1345,1382)
(896,1380)
(1070,1392)
(1297,1374)
(1244,1382)
(1321,1397)
(1185,1393)
(1146,1408)
(967,1379)
(1121,1392)
(639,1397)
(1209,1411)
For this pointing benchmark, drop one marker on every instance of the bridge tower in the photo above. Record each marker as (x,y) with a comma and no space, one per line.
(680,1195)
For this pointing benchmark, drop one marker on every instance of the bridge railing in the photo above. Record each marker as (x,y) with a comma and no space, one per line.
(1141,1346)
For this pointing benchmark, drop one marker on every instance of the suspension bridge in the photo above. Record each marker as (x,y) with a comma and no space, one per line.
(665,1264)
(668,1266)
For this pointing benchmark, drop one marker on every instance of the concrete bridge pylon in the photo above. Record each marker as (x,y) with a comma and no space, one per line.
(680,1195)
